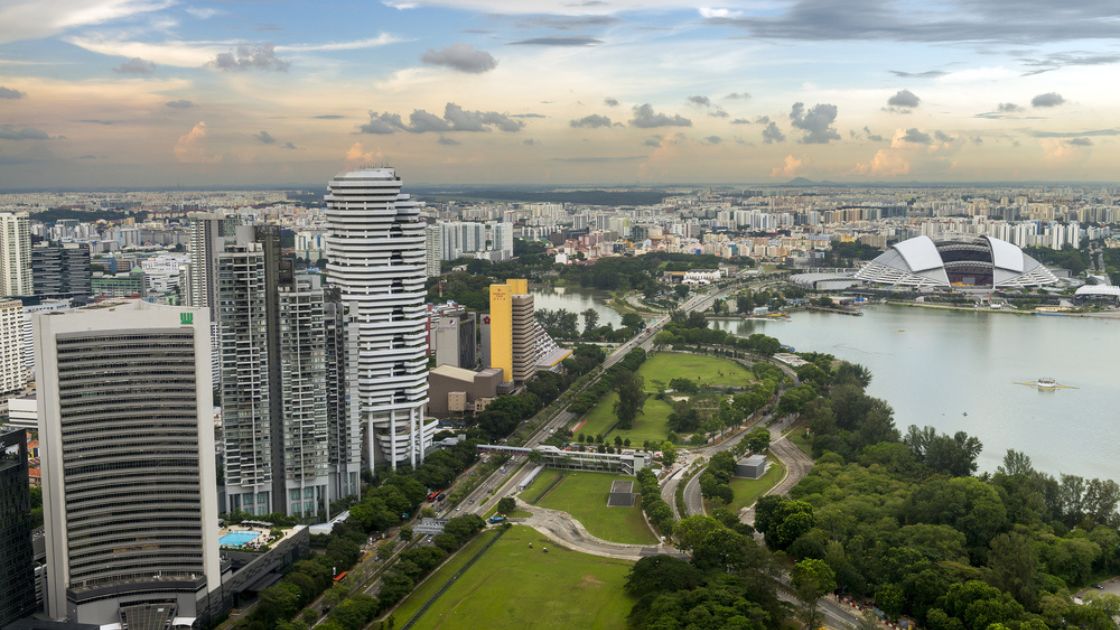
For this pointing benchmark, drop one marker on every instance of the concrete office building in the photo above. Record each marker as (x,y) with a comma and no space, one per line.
(519,346)
(245,393)
(456,391)
(129,487)
(15,254)
(13,373)
(376,253)
(454,333)
(61,269)
(17,558)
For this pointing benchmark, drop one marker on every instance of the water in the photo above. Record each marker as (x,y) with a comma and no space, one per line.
(577,301)
(237,539)
(933,366)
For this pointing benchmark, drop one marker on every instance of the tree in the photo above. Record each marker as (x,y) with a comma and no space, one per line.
(668,453)
(812,579)
(633,321)
(406,533)
(654,574)
(758,440)
(590,321)
(631,397)
(506,505)
(1014,563)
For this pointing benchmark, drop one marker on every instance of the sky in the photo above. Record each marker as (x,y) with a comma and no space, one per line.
(168,93)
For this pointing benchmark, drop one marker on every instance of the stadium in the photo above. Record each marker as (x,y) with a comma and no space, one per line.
(984,262)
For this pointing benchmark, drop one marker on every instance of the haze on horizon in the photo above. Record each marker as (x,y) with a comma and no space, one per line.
(150,93)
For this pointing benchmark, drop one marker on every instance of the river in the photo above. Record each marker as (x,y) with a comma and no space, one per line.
(576,300)
(936,366)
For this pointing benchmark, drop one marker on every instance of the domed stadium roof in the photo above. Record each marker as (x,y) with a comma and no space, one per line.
(982,262)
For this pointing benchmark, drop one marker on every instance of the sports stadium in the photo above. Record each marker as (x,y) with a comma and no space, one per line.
(983,262)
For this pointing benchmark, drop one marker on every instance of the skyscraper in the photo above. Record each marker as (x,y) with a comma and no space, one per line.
(127,439)
(61,269)
(376,253)
(17,560)
(13,373)
(15,254)
(206,242)
(433,250)
(344,427)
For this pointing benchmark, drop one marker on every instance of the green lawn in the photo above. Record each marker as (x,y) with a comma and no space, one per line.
(803,442)
(541,482)
(747,491)
(429,587)
(660,368)
(515,587)
(584,496)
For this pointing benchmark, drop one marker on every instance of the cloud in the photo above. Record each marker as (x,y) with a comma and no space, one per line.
(11,132)
(740,121)
(135,65)
(772,134)
(191,146)
(10,93)
(401,6)
(816,122)
(713,139)
(529,142)
(941,136)
(455,118)
(1061,151)
(99,121)
(790,167)
(181,103)
(527,115)
(461,57)
(1057,61)
(716,13)
(328,117)
(565,22)
(719,113)
(885,163)
(448,142)
(652,141)
(1049,99)
(646,118)
(558,41)
(357,155)
(738,95)
(288,145)
(1073,134)
(903,101)
(610,102)
(202,13)
(383,39)
(599,159)
(928,74)
(264,137)
(37,19)
(1008,108)
(915,136)
(702,101)
(594,121)
(1081,142)
(259,57)
(874,137)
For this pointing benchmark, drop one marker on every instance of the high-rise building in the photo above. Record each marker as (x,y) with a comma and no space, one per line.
(61,269)
(518,343)
(207,237)
(454,336)
(127,441)
(17,559)
(15,254)
(13,372)
(344,427)
(245,392)
(433,250)
(376,253)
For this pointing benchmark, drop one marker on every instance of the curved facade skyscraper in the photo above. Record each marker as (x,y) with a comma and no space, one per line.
(376,257)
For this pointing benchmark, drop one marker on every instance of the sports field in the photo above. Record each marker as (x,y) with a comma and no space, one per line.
(514,586)
(584,496)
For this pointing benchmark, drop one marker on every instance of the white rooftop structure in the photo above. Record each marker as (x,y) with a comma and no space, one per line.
(985,262)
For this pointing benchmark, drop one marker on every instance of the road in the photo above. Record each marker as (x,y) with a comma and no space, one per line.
(797,464)
(562,528)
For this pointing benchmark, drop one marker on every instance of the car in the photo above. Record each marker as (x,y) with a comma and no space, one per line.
(1098,587)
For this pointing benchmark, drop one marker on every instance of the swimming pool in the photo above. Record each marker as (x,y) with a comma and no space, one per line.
(237,539)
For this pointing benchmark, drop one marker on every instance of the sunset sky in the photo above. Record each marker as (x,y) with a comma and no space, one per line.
(151,93)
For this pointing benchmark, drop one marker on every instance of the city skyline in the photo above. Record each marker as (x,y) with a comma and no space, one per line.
(136,93)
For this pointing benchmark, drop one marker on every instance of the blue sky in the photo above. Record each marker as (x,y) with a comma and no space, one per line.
(171,92)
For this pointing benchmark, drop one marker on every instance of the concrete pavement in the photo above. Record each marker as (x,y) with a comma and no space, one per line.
(565,530)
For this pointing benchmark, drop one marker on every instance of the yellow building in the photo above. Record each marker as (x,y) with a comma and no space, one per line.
(501,330)
(518,344)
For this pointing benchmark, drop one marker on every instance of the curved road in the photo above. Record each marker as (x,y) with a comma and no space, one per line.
(562,528)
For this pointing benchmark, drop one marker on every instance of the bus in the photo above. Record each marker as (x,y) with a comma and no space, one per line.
(341,576)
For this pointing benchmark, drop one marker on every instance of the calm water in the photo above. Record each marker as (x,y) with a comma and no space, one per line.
(576,301)
(933,366)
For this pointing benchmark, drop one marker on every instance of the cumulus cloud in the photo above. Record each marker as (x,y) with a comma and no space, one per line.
(135,65)
(646,118)
(288,145)
(941,136)
(790,167)
(610,102)
(259,57)
(915,136)
(264,137)
(874,137)
(461,57)
(738,95)
(11,132)
(1066,151)
(740,121)
(713,139)
(702,101)
(10,93)
(594,121)
(816,122)
(191,146)
(718,113)
(1049,99)
(181,103)
(903,101)
(455,118)
(358,155)
(448,142)
(652,141)
(885,163)
(1081,142)
(1008,108)
(772,134)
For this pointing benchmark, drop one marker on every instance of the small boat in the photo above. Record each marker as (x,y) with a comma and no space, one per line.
(964,413)
(1046,383)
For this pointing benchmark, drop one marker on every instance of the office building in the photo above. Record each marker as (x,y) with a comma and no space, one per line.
(454,333)
(116,285)
(61,269)
(17,559)
(433,250)
(376,253)
(519,346)
(15,255)
(129,488)
(245,393)
(13,373)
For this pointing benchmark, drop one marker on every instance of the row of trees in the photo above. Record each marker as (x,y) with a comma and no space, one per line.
(564,324)
(692,329)
(657,510)
(903,519)
(591,396)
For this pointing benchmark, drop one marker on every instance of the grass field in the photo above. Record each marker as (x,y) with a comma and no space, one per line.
(584,496)
(803,442)
(747,491)
(429,587)
(660,368)
(515,587)
(541,483)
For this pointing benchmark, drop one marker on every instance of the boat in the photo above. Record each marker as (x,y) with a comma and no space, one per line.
(1046,383)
